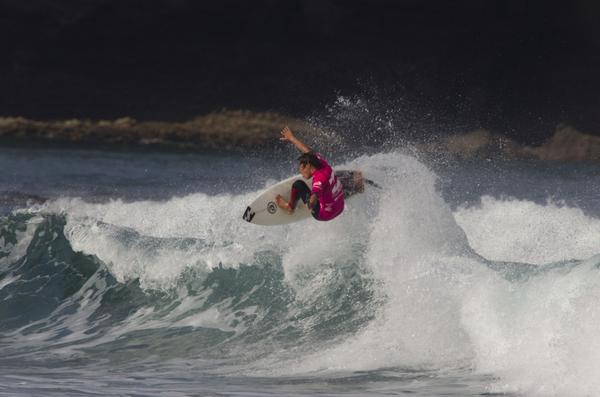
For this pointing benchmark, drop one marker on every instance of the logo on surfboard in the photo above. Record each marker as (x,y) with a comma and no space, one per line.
(248,214)
(271,207)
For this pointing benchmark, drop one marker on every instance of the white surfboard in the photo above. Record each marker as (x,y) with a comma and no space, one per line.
(264,210)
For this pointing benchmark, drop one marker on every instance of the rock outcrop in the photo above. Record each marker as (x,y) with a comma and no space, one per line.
(225,129)
(568,144)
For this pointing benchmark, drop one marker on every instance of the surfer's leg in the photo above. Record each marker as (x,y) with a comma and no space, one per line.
(300,190)
(315,209)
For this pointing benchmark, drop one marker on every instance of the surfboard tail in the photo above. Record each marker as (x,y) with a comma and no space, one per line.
(354,182)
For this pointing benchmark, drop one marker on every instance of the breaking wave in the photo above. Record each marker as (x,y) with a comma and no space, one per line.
(507,288)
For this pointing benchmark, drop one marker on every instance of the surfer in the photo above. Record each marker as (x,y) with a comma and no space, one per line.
(325,199)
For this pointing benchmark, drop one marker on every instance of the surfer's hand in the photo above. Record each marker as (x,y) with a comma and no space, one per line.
(286,134)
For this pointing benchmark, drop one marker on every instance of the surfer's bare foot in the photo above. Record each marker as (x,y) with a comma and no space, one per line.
(283,204)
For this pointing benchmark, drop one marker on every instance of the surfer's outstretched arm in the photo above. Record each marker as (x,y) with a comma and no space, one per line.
(288,135)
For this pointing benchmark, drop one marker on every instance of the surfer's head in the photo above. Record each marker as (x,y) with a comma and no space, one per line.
(309,163)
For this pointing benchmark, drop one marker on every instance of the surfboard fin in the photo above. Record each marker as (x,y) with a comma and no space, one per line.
(371,183)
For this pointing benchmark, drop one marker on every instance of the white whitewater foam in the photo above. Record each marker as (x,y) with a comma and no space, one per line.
(412,248)
(540,336)
(156,242)
(523,231)
(445,308)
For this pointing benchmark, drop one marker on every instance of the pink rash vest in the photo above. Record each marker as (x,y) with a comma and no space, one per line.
(329,191)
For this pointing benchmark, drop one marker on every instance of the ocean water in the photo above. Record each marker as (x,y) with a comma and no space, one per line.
(132,273)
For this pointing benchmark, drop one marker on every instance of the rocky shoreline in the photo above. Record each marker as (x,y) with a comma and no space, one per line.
(224,130)
(245,129)
(566,144)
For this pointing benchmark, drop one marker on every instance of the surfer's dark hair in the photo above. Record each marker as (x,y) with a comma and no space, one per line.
(310,158)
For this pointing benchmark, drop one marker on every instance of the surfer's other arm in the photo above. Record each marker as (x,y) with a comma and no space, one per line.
(288,135)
